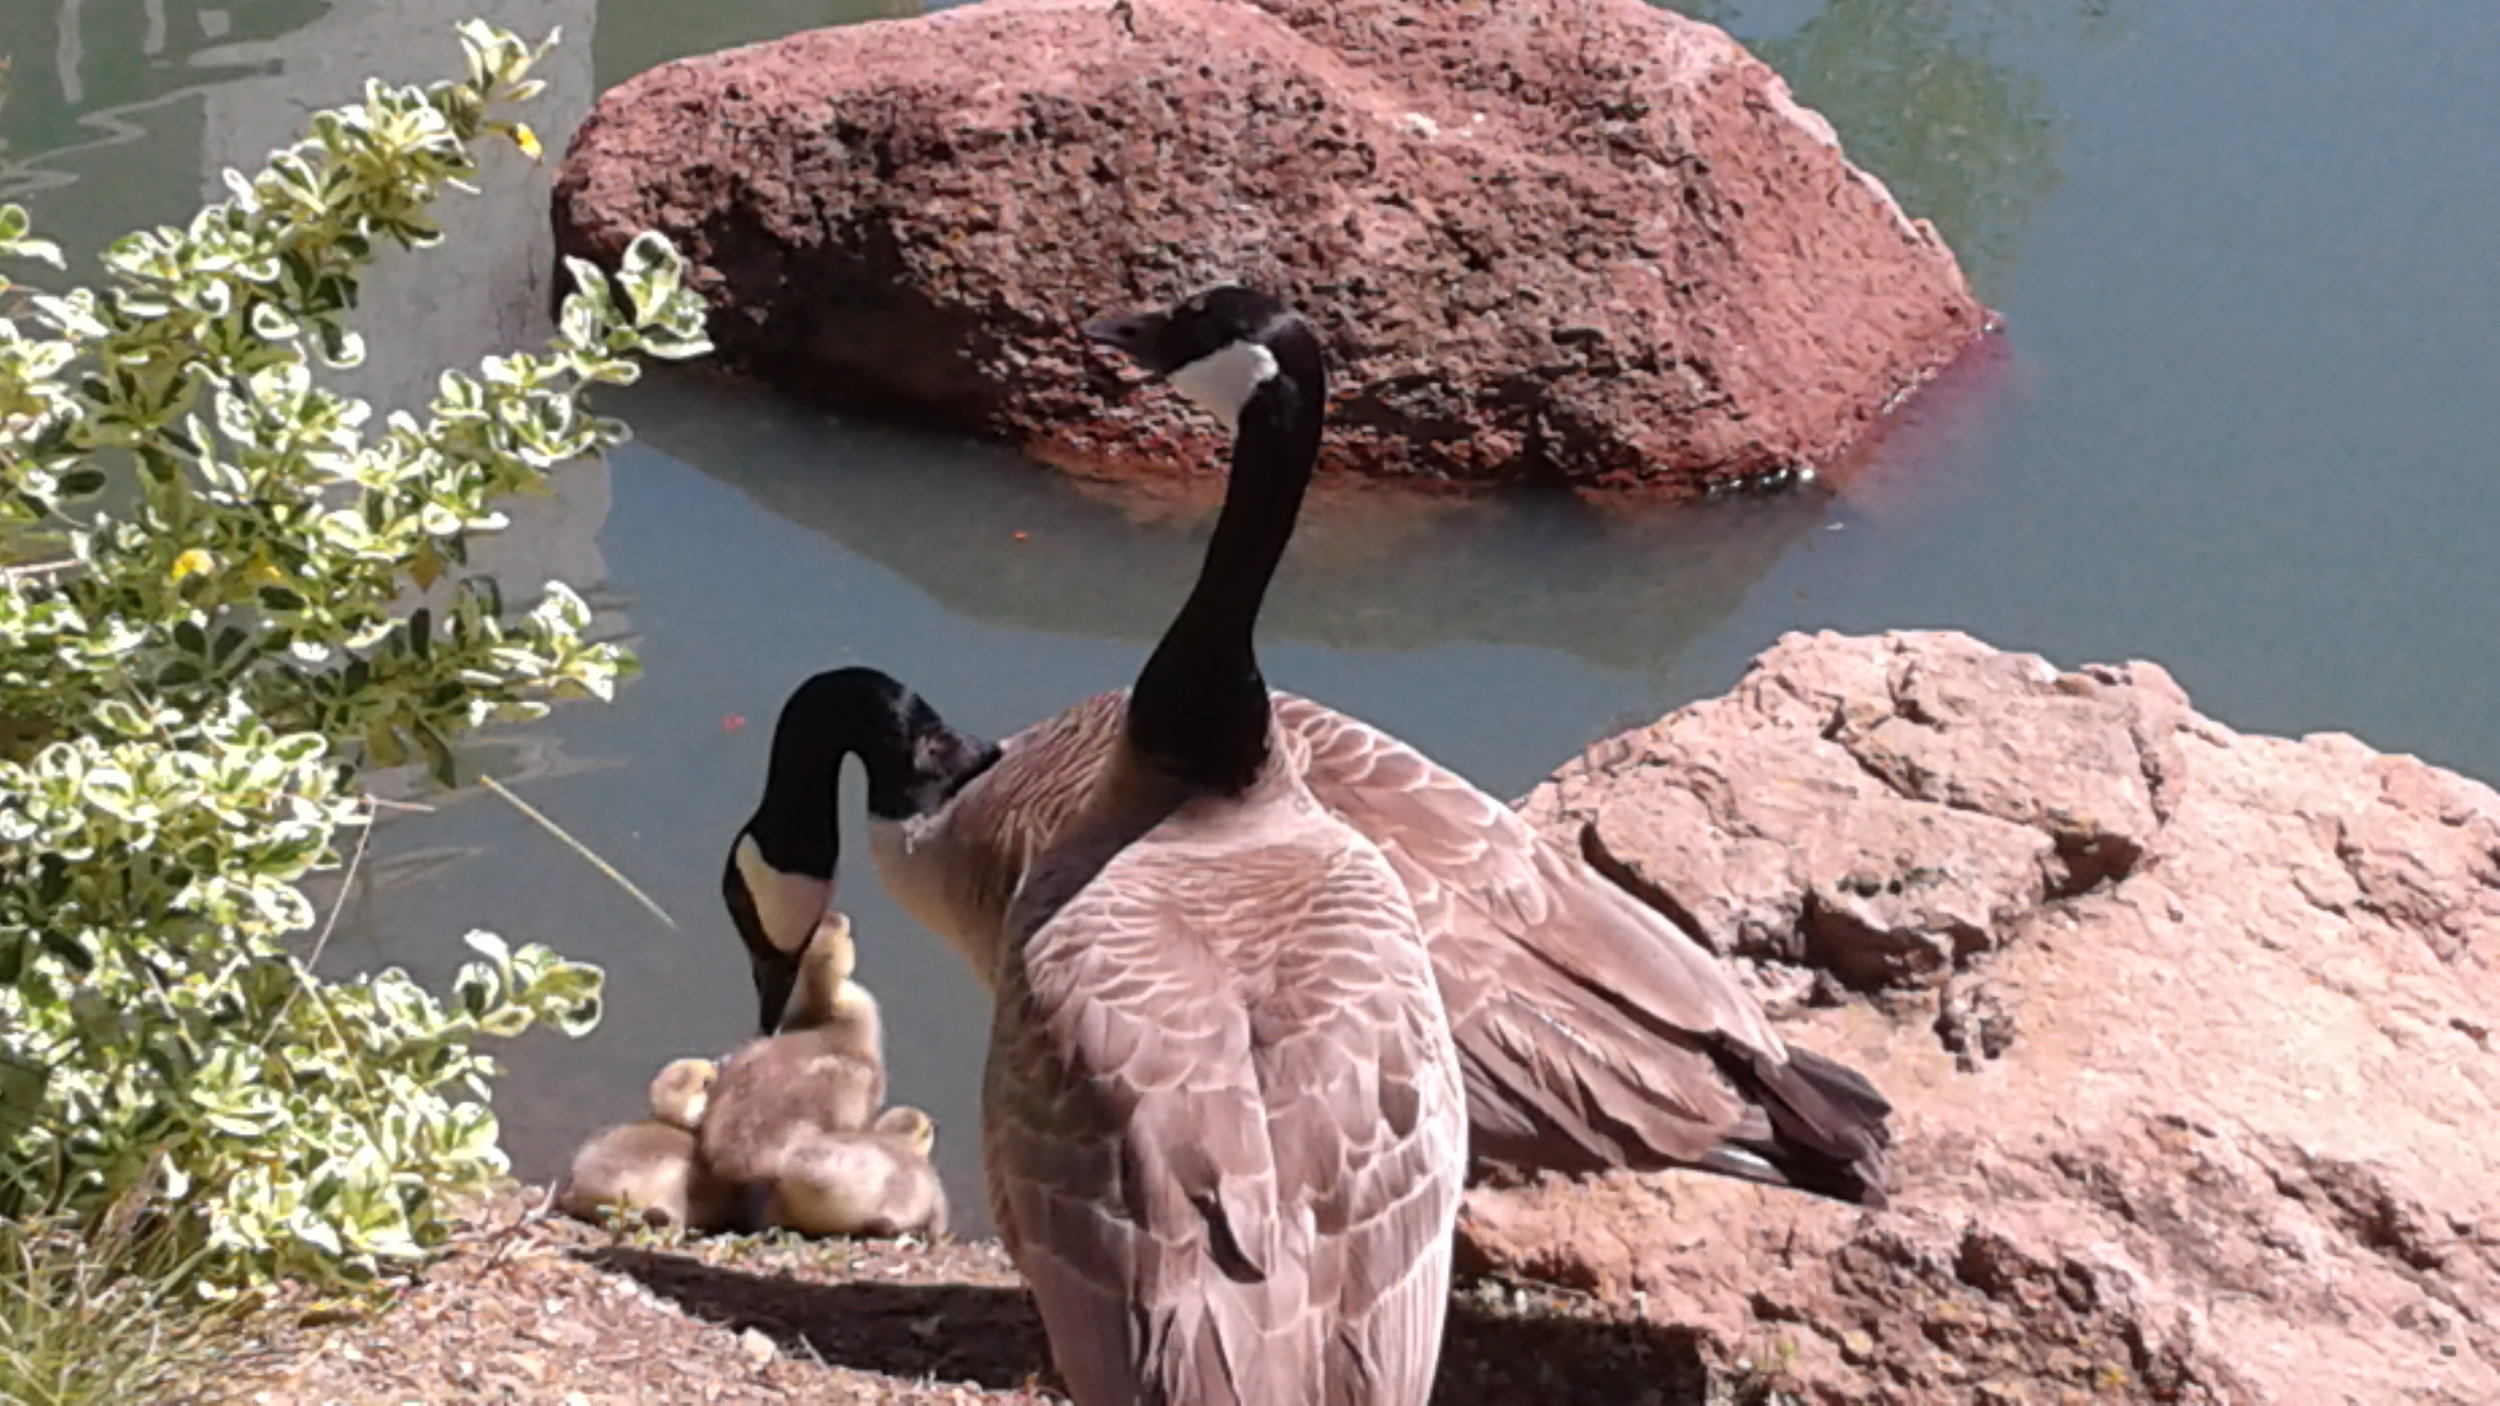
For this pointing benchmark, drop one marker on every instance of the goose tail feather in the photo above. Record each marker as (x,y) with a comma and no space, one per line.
(1823,1129)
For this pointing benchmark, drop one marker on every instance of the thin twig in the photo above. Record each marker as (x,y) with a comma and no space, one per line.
(338,905)
(579,848)
(347,886)
(40,568)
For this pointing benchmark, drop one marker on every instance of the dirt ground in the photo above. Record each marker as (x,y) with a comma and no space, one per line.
(555,1312)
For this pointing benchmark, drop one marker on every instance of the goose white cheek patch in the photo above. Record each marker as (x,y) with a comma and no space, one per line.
(788,905)
(1223,381)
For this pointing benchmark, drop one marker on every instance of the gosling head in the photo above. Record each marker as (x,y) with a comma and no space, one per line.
(1222,347)
(682,1091)
(826,991)
(831,953)
(915,1128)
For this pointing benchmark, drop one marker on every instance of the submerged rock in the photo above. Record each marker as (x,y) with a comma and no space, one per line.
(2190,1032)
(1586,241)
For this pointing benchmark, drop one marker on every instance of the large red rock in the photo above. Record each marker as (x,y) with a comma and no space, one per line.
(1585,241)
(2191,1033)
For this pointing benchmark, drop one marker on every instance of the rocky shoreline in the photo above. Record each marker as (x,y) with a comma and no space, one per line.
(2190,1032)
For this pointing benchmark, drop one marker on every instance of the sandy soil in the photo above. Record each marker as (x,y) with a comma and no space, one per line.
(550,1311)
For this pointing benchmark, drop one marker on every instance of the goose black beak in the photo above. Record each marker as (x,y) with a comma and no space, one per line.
(776,976)
(776,973)
(1129,332)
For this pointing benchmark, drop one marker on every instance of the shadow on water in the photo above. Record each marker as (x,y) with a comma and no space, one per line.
(991,1336)
(998,539)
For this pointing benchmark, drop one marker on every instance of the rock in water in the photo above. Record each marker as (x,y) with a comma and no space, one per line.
(1578,241)
(2191,1035)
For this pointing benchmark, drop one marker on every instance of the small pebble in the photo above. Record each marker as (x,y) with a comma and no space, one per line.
(758,1348)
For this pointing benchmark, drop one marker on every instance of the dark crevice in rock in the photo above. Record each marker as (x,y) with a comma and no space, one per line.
(2360,1202)
(1632,881)
(2098,1182)
(1905,702)
(2088,859)
(1973,1022)
(1901,786)
(1872,960)
(2161,783)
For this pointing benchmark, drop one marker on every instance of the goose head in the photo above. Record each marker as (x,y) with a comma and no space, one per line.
(1222,348)
(1199,711)
(917,1130)
(778,879)
(681,1091)
(824,986)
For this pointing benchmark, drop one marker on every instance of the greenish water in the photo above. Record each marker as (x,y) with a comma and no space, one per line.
(2241,424)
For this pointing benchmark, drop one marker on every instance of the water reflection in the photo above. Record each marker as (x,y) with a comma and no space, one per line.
(1923,96)
(81,72)
(1002,541)
(220,87)
(638,34)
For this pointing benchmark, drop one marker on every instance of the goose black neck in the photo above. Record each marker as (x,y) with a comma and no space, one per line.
(913,759)
(1200,708)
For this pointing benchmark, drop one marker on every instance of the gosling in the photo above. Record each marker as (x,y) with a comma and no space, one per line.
(877,1183)
(651,1167)
(822,1072)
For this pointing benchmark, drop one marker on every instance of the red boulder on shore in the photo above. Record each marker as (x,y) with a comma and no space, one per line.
(1576,241)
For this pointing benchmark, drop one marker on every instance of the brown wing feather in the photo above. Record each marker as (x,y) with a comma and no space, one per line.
(1593,1030)
(1223,1122)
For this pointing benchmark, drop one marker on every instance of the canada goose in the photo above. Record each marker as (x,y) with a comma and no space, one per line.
(824,1071)
(778,879)
(651,1166)
(1594,1032)
(1222,1117)
(876,1182)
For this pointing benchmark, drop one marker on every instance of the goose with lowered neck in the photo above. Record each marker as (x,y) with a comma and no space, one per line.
(778,878)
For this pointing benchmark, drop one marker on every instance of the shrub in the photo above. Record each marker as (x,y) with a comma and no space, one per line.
(191,692)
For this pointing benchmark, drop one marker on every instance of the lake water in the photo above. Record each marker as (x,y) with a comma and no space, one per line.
(2242,424)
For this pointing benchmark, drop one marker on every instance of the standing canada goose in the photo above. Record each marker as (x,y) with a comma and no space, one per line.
(824,1071)
(1223,1120)
(1594,1032)
(877,1182)
(651,1166)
